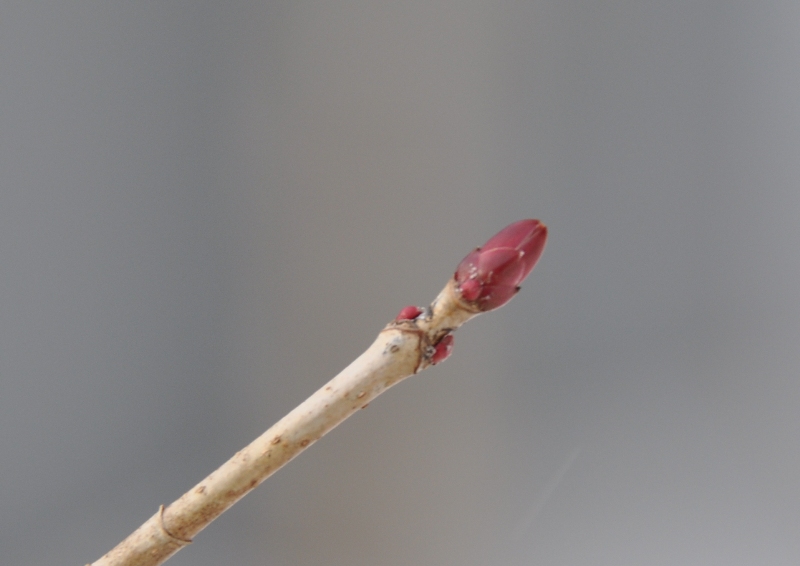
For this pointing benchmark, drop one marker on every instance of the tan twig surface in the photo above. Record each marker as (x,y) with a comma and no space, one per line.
(402,349)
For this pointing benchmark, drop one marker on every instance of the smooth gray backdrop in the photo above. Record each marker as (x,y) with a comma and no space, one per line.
(207,209)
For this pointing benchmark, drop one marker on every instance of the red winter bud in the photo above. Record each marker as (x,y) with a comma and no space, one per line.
(408,313)
(442,350)
(489,276)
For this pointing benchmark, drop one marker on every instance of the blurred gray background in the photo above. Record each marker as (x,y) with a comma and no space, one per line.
(209,208)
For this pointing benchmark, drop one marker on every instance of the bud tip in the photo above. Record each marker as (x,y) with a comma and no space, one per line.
(491,275)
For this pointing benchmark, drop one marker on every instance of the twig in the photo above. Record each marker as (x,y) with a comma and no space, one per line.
(486,279)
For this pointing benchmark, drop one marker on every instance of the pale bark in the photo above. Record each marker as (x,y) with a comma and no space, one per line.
(402,349)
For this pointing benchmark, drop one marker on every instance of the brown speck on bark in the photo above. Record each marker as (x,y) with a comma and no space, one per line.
(200,489)
(365,406)
(305,442)
(276,440)
(360,395)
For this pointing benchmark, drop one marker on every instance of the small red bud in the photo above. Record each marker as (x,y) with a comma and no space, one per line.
(408,313)
(491,275)
(442,350)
